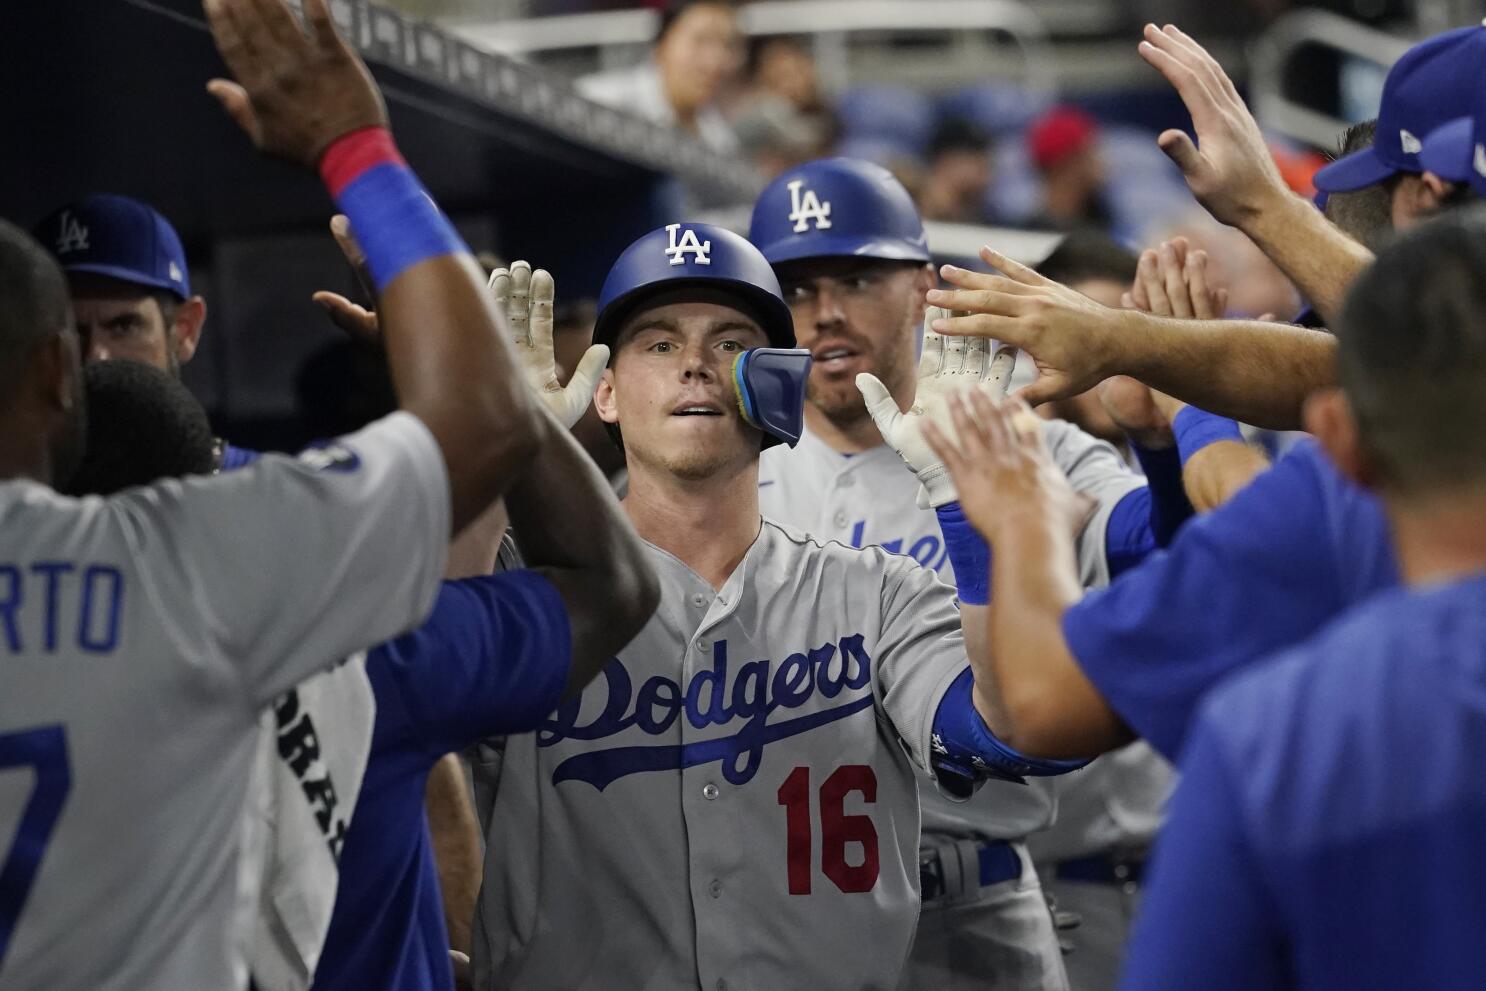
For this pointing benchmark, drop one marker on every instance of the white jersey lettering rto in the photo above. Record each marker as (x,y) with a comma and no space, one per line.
(869,498)
(733,803)
(140,639)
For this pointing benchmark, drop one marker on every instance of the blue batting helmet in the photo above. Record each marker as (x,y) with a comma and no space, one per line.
(837,207)
(693,256)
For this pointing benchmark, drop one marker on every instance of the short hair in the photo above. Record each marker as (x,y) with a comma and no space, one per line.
(1087,255)
(1366,214)
(1411,356)
(143,425)
(34,303)
(672,11)
(956,134)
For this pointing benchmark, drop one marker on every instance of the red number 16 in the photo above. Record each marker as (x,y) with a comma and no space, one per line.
(837,829)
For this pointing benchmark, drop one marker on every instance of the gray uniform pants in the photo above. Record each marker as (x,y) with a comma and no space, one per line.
(996,938)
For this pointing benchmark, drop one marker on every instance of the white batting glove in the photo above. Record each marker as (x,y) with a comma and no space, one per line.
(946,365)
(525,296)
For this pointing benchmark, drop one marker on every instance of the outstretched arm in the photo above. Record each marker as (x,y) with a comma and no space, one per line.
(1255,372)
(302,94)
(1231,172)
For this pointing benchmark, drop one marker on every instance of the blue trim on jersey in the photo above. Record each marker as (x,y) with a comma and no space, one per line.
(234,458)
(965,747)
(492,659)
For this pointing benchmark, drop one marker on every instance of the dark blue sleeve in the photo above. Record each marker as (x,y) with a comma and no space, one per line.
(1128,536)
(1205,920)
(965,751)
(493,658)
(1256,574)
(1169,505)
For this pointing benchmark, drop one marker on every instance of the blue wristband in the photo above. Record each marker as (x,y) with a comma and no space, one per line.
(1197,428)
(394,219)
(969,555)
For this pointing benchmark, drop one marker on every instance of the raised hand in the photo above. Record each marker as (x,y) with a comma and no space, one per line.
(947,365)
(1172,281)
(1229,169)
(353,318)
(1000,465)
(1071,338)
(298,87)
(525,296)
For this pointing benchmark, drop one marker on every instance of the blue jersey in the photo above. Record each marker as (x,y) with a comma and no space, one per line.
(492,659)
(1328,830)
(1286,555)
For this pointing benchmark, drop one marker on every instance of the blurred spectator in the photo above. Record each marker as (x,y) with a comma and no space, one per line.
(781,120)
(1064,147)
(696,52)
(1102,269)
(958,173)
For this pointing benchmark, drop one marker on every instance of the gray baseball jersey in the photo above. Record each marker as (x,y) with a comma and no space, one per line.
(734,802)
(140,639)
(869,499)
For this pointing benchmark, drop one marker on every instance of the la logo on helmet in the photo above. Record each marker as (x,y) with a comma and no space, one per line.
(687,245)
(807,207)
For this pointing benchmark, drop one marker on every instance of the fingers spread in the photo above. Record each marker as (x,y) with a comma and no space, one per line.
(1003,329)
(543,290)
(1180,149)
(1013,270)
(1195,274)
(977,357)
(1175,282)
(321,24)
(1148,276)
(234,100)
(978,301)
(954,356)
(274,24)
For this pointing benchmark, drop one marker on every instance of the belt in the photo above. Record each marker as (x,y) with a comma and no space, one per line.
(998,859)
(1101,869)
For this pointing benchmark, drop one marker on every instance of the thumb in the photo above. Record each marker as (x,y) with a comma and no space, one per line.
(880,404)
(234,100)
(1040,391)
(590,367)
(1180,149)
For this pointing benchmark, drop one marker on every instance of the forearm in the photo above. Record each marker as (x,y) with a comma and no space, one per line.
(572,530)
(1309,249)
(456,847)
(1047,705)
(1217,472)
(1250,370)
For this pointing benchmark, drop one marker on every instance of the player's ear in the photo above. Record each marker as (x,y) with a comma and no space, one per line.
(926,279)
(603,398)
(1328,416)
(190,316)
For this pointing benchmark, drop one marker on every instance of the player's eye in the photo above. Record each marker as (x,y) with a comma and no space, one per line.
(661,347)
(860,283)
(796,295)
(732,347)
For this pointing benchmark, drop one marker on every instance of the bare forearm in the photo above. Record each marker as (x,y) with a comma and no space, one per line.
(456,847)
(1049,707)
(1216,473)
(1249,370)
(453,369)
(571,529)
(1321,260)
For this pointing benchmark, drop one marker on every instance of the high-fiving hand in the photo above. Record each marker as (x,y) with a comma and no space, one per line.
(947,365)
(299,87)
(525,296)
(1229,169)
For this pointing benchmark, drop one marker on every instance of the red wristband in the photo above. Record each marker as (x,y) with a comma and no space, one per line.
(354,153)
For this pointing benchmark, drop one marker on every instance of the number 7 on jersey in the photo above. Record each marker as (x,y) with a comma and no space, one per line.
(45,750)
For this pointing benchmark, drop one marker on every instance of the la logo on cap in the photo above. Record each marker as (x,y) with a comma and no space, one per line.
(73,235)
(687,245)
(807,207)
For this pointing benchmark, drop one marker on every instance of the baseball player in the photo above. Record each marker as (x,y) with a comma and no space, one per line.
(734,803)
(143,634)
(131,290)
(1326,833)
(851,255)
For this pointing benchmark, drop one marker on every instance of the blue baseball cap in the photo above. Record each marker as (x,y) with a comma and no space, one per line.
(119,237)
(1432,83)
(837,207)
(1457,150)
